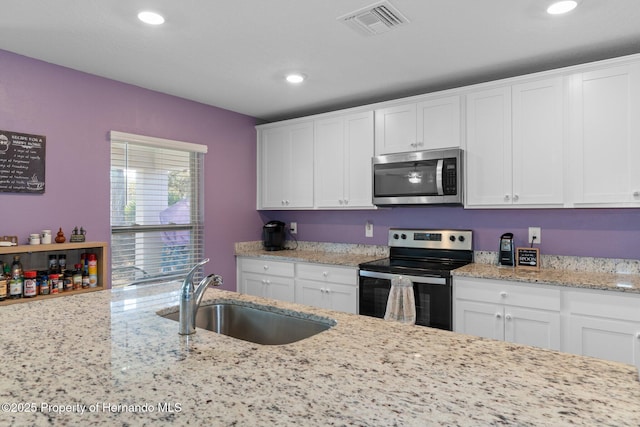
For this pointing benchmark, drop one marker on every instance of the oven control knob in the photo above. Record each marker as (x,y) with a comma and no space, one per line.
(452,238)
(461,238)
(403,236)
(395,236)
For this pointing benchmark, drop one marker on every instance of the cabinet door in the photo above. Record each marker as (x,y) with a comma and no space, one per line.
(480,319)
(610,339)
(605,131)
(538,137)
(342,297)
(357,153)
(538,328)
(280,288)
(252,284)
(311,293)
(488,152)
(343,151)
(396,129)
(286,159)
(274,150)
(329,162)
(438,123)
(301,165)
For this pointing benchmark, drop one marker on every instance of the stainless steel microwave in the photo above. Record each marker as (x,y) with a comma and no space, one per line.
(418,178)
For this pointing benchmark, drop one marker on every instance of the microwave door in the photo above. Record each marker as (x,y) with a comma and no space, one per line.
(408,179)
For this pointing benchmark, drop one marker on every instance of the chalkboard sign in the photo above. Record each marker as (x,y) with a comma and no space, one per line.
(22,162)
(528,258)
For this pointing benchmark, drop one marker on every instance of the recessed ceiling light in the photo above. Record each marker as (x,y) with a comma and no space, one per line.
(561,7)
(151,18)
(295,78)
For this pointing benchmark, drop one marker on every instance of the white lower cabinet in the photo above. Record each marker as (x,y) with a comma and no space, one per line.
(319,285)
(520,313)
(604,324)
(265,278)
(330,287)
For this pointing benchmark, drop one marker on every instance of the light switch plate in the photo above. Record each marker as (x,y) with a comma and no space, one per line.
(293,228)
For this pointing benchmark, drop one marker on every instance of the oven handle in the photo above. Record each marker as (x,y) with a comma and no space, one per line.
(415,279)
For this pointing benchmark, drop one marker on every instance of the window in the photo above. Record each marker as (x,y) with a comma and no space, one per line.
(156,208)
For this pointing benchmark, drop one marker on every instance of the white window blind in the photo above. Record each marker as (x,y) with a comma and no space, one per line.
(156,208)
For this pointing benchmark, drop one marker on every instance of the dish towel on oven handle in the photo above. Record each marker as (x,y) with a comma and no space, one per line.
(401,305)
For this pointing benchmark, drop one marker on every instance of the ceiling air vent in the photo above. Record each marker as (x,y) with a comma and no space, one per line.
(374,19)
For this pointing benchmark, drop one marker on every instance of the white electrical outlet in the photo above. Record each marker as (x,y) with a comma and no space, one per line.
(293,228)
(368,229)
(535,231)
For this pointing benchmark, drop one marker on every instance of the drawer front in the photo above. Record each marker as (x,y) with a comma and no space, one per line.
(262,266)
(610,304)
(327,273)
(508,293)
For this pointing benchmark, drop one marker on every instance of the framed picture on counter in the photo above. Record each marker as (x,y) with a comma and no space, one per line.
(528,258)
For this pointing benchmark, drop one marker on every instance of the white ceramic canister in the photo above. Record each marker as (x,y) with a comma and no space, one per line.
(34,239)
(45,237)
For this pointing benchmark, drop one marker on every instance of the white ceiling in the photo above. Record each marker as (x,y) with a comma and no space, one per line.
(234,53)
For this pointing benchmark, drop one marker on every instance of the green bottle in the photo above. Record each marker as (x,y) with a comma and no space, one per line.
(16,280)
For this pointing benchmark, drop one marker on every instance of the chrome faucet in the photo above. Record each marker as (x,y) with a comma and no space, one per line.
(191,296)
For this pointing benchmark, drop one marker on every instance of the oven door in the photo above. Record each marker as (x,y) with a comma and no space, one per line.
(432,295)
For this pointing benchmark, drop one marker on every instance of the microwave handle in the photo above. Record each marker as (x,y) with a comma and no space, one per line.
(439,177)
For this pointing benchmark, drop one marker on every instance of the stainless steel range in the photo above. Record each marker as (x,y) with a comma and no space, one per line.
(427,258)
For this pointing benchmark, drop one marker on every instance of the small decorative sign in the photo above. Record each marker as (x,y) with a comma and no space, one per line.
(22,159)
(528,258)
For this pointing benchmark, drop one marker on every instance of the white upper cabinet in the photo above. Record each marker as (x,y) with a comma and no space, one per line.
(343,151)
(514,149)
(538,142)
(488,149)
(285,159)
(429,124)
(605,136)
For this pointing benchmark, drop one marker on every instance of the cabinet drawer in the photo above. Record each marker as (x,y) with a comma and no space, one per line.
(523,295)
(262,266)
(610,304)
(327,273)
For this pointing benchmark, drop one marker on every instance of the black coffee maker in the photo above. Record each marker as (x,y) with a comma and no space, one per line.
(273,235)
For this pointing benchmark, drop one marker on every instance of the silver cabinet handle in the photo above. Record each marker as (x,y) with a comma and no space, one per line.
(508,317)
(503,294)
(498,315)
(636,193)
(507,197)
(515,197)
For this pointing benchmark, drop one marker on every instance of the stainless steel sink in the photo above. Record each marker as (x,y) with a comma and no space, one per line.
(255,324)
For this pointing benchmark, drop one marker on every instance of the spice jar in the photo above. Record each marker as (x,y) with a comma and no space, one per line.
(44,284)
(29,284)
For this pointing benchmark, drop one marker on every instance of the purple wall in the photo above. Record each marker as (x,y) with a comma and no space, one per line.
(76,111)
(606,233)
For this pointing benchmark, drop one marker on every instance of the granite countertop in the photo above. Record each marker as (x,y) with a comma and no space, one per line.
(320,253)
(107,358)
(579,279)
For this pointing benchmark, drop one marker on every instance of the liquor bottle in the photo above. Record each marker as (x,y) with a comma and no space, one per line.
(17,278)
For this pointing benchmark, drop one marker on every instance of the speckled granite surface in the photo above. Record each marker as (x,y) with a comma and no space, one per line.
(578,279)
(108,354)
(321,253)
